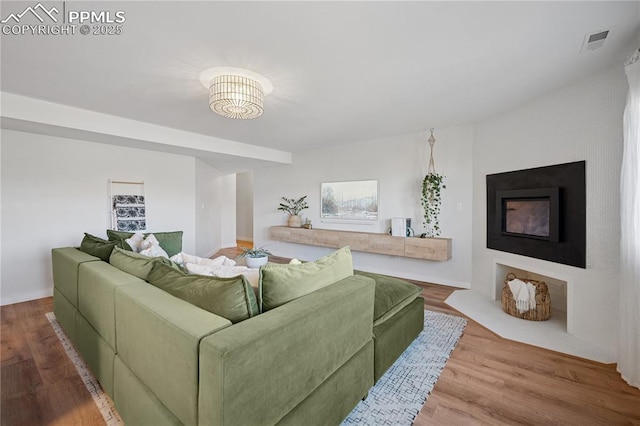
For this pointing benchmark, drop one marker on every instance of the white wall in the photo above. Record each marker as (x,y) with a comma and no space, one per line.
(208,220)
(579,122)
(215,210)
(399,164)
(244,206)
(227,205)
(55,189)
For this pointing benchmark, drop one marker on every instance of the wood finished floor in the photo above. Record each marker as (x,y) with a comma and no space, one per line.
(487,381)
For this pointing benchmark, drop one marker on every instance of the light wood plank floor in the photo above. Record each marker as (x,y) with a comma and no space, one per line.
(487,381)
(244,244)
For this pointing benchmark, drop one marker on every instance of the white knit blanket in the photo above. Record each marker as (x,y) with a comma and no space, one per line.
(524,293)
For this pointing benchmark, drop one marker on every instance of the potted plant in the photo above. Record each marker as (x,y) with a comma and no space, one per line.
(293,207)
(255,257)
(431,198)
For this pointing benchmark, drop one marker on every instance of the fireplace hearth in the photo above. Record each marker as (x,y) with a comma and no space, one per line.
(539,212)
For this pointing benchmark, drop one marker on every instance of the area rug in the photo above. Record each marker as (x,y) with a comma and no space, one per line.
(102,400)
(396,399)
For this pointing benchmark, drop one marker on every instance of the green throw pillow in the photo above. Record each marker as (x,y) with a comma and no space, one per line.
(280,284)
(230,298)
(171,242)
(392,294)
(132,263)
(98,247)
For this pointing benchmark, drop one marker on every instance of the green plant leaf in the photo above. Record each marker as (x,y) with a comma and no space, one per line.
(431,199)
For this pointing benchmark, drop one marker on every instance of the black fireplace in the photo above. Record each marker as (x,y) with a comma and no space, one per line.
(539,212)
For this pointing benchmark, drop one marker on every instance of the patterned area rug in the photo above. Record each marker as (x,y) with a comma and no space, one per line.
(395,400)
(402,391)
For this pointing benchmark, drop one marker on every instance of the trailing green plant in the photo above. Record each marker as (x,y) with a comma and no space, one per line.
(431,199)
(254,252)
(293,206)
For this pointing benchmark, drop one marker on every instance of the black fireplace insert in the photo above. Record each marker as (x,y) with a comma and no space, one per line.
(539,213)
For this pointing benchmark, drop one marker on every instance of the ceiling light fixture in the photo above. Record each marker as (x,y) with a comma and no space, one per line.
(233,96)
(235,93)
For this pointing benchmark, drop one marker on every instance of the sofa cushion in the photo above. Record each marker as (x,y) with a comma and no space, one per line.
(98,247)
(96,352)
(138,264)
(171,242)
(158,339)
(66,262)
(393,336)
(280,284)
(255,372)
(392,295)
(230,298)
(97,282)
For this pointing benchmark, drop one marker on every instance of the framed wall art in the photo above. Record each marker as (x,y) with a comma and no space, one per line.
(350,200)
(128,211)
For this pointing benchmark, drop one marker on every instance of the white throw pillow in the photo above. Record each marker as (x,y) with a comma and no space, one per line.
(134,241)
(149,242)
(151,247)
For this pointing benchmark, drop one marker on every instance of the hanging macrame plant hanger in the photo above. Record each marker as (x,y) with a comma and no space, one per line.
(431,195)
(432,166)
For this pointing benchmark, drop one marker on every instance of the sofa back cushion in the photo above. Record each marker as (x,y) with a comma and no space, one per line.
(280,284)
(171,242)
(230,298)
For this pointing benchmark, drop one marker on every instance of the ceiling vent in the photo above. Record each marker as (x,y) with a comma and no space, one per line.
(595,40)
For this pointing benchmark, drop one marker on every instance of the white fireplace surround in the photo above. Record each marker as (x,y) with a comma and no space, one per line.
(560,287)
(555,334)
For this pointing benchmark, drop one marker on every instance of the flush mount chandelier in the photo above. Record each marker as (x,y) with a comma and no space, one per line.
(236,92)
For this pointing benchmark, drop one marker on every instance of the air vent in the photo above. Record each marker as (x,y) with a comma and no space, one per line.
(595,40)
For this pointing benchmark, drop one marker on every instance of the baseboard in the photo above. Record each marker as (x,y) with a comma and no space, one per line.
(40,294)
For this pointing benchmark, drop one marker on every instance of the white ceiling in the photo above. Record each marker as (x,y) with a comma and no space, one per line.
(342,71)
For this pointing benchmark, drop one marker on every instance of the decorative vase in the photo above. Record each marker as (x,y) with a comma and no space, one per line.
(294,221)
(256,262)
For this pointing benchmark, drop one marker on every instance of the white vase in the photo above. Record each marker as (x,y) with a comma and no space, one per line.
(294,221)
(256,262)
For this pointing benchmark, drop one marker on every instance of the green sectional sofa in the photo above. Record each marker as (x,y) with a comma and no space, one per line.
(165,361)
